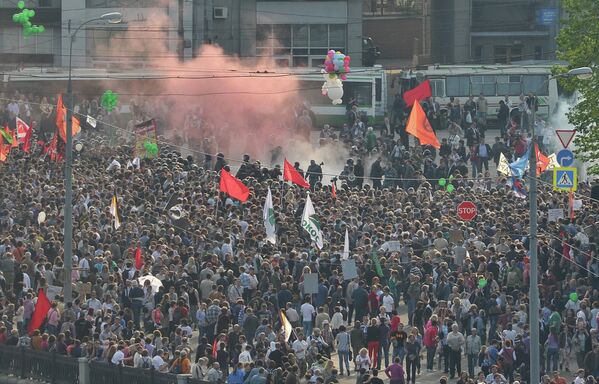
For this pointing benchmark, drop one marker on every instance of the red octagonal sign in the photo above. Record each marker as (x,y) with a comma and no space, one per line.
(466,210)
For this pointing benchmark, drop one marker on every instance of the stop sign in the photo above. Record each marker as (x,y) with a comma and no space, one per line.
(466,210)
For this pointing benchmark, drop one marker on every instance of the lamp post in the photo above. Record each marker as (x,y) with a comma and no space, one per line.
(582,73)
(113,18)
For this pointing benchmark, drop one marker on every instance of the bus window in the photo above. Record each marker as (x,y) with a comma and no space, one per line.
(378,92)
(438,87)
(536,84)
(484,84)
(458,85)
(509,85)
(362,92)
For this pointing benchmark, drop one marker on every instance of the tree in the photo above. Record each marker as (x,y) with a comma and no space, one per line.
(578,44)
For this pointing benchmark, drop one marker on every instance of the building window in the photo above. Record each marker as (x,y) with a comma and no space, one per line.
(538,52)
(302,45)
(505,55)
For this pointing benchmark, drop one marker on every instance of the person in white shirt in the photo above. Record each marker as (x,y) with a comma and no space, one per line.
(245,356)
(300,345)
(118,356)
(307,310)
(292,315)
(84,267)
(388,301)
(337,320)
(158,362)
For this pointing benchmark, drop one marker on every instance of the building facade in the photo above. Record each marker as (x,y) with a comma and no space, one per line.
(490,31)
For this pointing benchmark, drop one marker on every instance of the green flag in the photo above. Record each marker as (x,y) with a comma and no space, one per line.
(377,263)
(6,135)
(311,223)
(269,219)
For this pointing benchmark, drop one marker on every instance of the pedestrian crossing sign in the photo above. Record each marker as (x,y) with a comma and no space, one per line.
(565,179)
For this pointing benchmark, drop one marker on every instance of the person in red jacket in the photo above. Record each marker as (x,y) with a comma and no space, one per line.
(430,341)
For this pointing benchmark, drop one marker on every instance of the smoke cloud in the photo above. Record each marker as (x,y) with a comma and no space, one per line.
(219,103)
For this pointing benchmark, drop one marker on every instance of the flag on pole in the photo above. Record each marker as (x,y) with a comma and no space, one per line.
(542,160)
(269,219)
(114,211)
(91,121)
(345,254)
(22,130)
(291,174)
(233,187)
(418,93)
(285,325)
(377,263)
(503,167)
(419,127)
(333,191)
(4,149)
(139,262)
(215,348)
(61,118)
(7,135)
(42,306)
(520,166)
(311,223)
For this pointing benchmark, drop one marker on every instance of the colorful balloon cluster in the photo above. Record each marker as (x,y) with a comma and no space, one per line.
(23,19)
(337,64)
(110,100)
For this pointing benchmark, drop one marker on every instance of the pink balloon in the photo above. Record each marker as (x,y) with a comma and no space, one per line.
(331,53)
(343,77)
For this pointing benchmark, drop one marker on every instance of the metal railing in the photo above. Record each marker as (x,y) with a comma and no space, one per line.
(53,368)
(45,366)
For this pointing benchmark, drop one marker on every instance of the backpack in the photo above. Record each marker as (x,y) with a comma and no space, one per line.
(146,363)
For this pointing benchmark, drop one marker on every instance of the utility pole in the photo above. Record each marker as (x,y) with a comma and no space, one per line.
(533,294)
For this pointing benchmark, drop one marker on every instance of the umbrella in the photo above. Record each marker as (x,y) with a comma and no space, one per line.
(154,282)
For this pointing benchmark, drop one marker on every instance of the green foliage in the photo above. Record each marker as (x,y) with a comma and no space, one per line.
(578,44)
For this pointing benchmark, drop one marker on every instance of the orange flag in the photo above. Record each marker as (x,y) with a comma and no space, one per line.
(542,160)
(419,127)
(61,117)
(4,150)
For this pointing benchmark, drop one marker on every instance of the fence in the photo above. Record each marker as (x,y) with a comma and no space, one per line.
(53,368)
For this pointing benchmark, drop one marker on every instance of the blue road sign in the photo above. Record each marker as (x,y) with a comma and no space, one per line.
(565,157)
(565,179)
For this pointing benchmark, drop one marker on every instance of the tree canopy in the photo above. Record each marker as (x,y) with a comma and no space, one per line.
(578,44)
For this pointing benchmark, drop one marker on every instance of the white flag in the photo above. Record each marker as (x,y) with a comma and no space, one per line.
(311,223)
(91,121)
(345,254)
(503,166)
(269,219)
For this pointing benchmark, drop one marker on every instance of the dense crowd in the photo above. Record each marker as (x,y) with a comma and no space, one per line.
(432,291)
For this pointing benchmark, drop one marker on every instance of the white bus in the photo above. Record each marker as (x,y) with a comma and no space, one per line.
(367,86)
(495,82)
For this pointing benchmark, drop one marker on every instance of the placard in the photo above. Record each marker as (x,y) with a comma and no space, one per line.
(348,267)
(555,214)
(577,205)
(310,283)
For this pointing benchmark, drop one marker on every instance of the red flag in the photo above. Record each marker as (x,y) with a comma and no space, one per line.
(60,113)
(139,262)
(22,130)
(291,174)
(215,348)
(232,186)
(419,127)
(15,142)
(542,160)
(40,312)
(333,191)
(421,92)
(27,140)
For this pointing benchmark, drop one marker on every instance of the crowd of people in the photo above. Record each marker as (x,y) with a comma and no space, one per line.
(432,292)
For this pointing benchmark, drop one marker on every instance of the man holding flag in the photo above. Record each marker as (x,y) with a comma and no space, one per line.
(311,223)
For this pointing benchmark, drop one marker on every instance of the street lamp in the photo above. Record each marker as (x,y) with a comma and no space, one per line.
(535,371)
(112,18)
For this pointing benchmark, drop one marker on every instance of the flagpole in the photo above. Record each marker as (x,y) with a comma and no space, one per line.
(282,194)
(216,200)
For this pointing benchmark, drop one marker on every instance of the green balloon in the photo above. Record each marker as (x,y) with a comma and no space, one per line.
(15,17)
(27,24)
(450,188)
(442,181)
(41,28)
(21,4)
(574,296)
(31,13)
(482,283)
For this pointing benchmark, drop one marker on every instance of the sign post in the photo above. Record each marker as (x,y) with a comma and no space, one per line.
(467,210)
